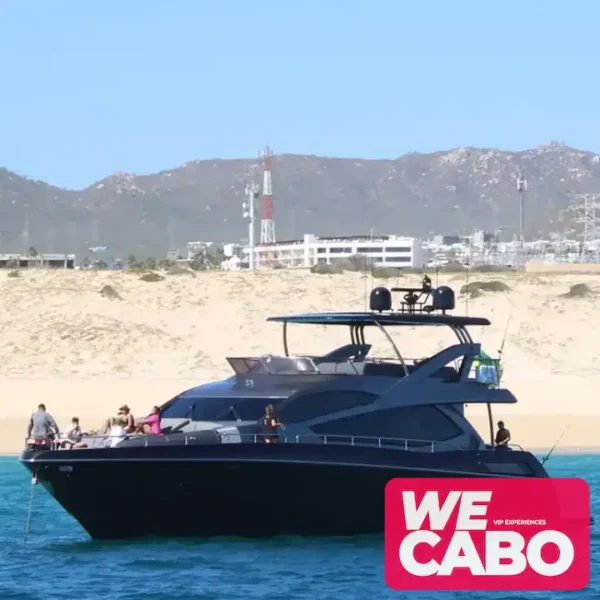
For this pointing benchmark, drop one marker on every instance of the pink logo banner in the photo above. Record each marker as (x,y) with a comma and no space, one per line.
(487,534)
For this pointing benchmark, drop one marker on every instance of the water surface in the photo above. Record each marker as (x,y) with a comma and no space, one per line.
(60,561)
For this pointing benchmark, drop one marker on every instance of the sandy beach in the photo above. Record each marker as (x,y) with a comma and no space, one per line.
(83,353)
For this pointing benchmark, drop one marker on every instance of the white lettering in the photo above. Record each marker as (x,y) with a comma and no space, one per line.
(407,553)
(494,553)
(506,553)
(461,553)
(468,510)
(565,548)
(430,505)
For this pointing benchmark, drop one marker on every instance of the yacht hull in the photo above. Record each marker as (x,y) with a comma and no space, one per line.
(246,490)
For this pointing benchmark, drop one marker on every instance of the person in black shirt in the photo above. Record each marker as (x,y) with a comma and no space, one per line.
(502,436)
(270,423)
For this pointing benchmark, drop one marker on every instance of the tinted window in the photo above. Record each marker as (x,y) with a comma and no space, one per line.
(217,409)
(198,409)
(412,422)
(312,406)
(178,408)
(247,409)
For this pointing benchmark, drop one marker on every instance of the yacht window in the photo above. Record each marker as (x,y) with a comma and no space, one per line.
(178,408)
(246,409)
(410,422)
(312,406)
(220,408)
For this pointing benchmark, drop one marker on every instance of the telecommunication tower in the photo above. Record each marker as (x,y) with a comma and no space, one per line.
(267,224)
(522,188)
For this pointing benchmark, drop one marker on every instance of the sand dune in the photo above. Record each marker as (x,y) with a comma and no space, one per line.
(83,353)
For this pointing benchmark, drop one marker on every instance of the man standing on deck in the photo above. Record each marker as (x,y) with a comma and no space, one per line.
(42,426)
(502,436)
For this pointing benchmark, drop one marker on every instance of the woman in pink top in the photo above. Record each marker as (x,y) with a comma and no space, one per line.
(151,424)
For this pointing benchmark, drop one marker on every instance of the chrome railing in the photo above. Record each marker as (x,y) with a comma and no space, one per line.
(405,444)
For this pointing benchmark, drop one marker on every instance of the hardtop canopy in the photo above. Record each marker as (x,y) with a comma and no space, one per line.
(380,319)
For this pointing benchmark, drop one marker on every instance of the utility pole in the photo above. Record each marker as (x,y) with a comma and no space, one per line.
(522,188)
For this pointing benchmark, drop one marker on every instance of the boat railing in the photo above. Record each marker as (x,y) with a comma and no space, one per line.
(351,440)
(510,446)
(225,437)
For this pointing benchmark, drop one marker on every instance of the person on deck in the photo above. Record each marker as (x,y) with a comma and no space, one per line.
(72,435)
(502,436)
(270,423)
(126,416)
(151,424)
(42,427)
(117,431)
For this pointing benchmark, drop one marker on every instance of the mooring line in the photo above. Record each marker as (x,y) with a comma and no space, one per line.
(30,510)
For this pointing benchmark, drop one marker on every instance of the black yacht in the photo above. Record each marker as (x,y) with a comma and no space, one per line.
(352,423)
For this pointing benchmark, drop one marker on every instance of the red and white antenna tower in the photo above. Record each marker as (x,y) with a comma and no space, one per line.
(267,224)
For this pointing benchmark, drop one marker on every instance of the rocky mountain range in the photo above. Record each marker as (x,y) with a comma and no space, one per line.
(442,192)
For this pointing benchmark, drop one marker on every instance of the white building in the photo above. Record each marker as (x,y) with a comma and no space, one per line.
(53,260)
(233,263)
(196,248)
(231,250)
(385,251)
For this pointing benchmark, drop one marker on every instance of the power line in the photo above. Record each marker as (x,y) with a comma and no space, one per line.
(586,208)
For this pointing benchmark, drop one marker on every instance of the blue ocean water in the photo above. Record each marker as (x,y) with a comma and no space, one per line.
(60,561)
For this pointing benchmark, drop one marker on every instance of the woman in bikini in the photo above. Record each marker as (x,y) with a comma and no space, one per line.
(151,424)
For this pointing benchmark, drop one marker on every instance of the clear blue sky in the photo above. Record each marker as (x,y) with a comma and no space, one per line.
(90,87)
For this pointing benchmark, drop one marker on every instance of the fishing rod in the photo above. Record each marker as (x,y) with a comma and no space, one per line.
(560,437)
(544,460)
(501,349)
